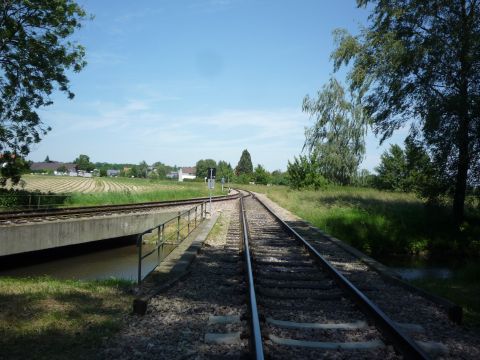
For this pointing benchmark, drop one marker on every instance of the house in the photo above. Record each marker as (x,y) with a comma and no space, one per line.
(52,166)
(172,175)
(112,172)
(186,173)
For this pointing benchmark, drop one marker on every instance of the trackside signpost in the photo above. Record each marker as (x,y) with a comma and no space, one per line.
(212,172)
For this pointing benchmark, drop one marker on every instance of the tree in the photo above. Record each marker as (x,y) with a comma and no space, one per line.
(305,172)
(419,61)
(261,176)
(62,169)
(34,58)
(410,170)
(12,167)
(279,177)
(83,163)
(47,159)
(337,137)
(224,170)
(202,167)
(244,165)
(162,169)
(142,169)
(392,171)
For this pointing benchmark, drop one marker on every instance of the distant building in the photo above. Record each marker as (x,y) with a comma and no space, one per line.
(113,172)
(183,173)
(52,166)
(172,175)
(186,173)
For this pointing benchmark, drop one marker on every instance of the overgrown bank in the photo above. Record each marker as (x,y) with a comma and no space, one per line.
(43,318)
(378,222)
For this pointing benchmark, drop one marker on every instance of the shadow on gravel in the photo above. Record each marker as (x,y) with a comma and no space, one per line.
(176,321)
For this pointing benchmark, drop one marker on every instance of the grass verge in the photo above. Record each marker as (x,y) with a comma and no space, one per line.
(44,318)
(377,222)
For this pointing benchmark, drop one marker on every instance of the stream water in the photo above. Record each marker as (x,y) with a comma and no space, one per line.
(420,267)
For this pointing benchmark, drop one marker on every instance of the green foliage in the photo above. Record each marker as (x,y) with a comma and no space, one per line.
(35,56)
(261,176)
(409,170)
(364,179)
(21,199)
(279,177)
(381,223)
(202,167)
(63,169)
(142,169)
(244,165)
(304,172)
(418,61)
(337,137)
(12,167)
(224,170)
(162,170)
(243,178)
(392,171)
(83,163)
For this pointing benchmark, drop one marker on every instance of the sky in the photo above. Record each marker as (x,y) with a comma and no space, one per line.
(179,81)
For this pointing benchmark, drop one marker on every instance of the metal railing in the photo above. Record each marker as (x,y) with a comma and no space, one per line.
(165,237)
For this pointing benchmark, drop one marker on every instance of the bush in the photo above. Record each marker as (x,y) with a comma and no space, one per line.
(18,199)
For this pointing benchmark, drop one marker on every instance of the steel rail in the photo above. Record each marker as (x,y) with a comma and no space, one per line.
(402,342)
(11,215)
(256,345)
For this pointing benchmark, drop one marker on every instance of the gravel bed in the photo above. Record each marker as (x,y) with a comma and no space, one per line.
(177,320)
(290,297)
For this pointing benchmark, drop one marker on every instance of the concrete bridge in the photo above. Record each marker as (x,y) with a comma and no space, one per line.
(33,236)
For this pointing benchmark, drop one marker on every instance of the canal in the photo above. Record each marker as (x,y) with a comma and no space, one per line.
(114,258)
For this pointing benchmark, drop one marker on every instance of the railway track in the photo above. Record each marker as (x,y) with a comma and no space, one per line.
(301,306)
(63,213)
(296,309)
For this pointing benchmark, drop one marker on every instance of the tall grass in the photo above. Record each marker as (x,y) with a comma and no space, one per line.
(378,222)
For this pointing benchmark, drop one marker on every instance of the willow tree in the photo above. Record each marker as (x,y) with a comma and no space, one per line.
(337,136)
(419,61)
(35,55)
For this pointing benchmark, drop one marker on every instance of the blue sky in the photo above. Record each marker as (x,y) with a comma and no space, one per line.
(179,81)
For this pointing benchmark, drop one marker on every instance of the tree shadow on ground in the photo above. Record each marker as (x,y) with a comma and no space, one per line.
(54,325)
